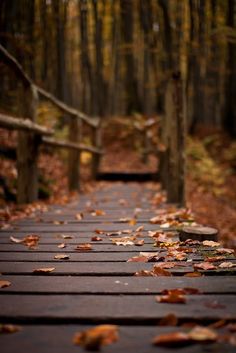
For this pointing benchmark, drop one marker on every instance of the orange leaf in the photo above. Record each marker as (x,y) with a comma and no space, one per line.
(204,266)
(84,247)
(95,238)
(138,259)
(61,246)
(210,243)
(79,216)
(4,284)
(169,320)
(94,338)
(171,339)
(139,242)
(44,270)
(161,272)
(202,334)
(8,328)
(61,257)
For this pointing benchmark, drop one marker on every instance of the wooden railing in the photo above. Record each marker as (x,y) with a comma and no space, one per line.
(31,135)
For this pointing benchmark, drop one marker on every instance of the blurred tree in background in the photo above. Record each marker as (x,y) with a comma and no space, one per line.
(114,57)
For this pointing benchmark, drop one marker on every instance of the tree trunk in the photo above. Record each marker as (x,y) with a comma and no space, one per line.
(27,151)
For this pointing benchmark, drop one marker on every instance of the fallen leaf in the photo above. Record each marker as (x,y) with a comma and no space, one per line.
(66,236)
(4,284)
(16,240)
(8,328)
(202,334)
(139,229)
(61,257)
(95,238)
(138,259)
(204,266)
(214,258)
(61,246)
(132,222)
(210,243)
(99,231)
(79,216)
(172,339)
(144,273)
(169,320)
(225,251)
(44,270)
(165,265)
(126,231)
(93,338)
(31,240)
(227,265)
(139,242)
(193,274)
(98,213)
(171,298)
(84,247)
(158,271)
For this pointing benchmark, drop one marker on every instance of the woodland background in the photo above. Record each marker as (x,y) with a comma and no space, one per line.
(113,58)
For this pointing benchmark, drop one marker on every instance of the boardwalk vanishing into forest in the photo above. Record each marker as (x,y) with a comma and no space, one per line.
(90,282)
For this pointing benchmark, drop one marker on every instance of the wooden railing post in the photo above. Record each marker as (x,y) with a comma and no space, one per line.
(28,150)
(97,142)
(75,131)
(172,162)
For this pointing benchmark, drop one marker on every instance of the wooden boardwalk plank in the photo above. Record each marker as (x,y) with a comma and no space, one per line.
(58,338)
(108,285)
(112,308)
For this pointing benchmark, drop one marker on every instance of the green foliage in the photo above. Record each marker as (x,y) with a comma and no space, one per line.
(203,168)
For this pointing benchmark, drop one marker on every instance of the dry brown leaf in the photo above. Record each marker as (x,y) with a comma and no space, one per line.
(95,238)
(67,236)
(44,270)
(61,246)
(16,240)
(193,274)
(172,339)
(84,247)
(214,258)
(227,265)
(9,328)
(158,271)
(172,296)
(132,222)
(202,334)
(204,266)
(169,320)
(139,229)
(126,231)
(139,242)
(4,284)
(93,338)
(31,240)
(210,243)
(225,251)
(138,259)
(61,257)
(79,216)
(99,231)
(98,213)
(144,273)
(165,265)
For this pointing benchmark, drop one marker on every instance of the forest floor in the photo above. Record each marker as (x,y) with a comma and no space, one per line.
(211,176)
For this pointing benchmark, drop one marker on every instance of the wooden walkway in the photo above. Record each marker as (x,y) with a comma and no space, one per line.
(97,286)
